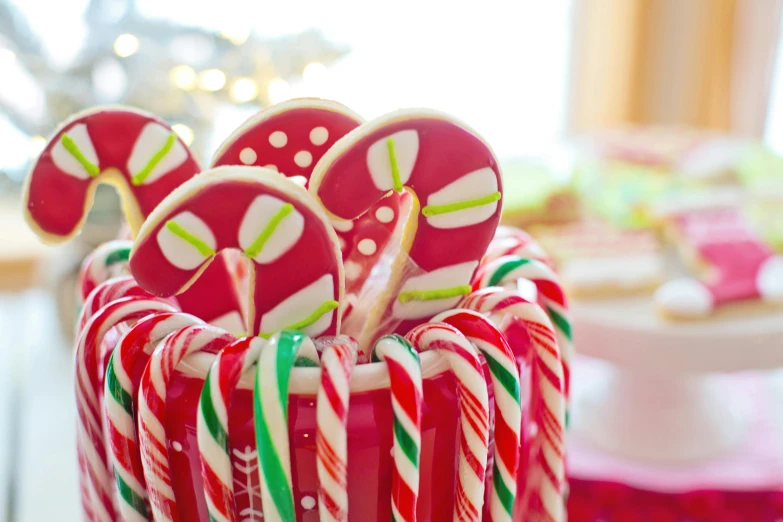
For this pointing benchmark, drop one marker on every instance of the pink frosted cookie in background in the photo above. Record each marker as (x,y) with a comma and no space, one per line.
(290,138)
(145,160)
(296,276)
(454,183)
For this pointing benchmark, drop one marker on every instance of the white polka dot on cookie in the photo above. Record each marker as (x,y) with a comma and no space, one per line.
(352,270)
(303,158)
(384,214)
(248,156)
(367,247)
(319,135)
(308,502)
(278,139)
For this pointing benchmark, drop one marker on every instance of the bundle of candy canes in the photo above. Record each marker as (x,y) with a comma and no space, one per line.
(445,401)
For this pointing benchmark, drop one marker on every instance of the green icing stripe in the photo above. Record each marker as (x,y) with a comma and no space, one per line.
(395,169)
(255,248)
(431,295)
(156,158)
(176,229)
(406,442)
(210,415)
(71,146)
(506,378)
(130,496)
(501,489)
(503,270)
(118,256)
(560,322)
(116,390)
(326,307)
(435,210)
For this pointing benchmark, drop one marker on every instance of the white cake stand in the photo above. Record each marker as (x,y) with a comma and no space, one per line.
(665,402)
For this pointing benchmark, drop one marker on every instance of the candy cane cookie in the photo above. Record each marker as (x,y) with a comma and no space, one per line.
(474,412)
(121,385)
(508,407)
(89,397)
(454,183)
(107,261)
(291,137)
(505,308)
(152,410)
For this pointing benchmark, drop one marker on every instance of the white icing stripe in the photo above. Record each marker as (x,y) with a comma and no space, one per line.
(67,162)
(446,277)
(405,145)
(259,219)
(470,187)
(152,141)
(179,252)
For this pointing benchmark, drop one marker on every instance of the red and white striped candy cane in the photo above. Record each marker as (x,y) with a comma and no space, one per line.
(508,407)
(511,241)
(505,307)
(105,293)
(152,410)
(474,412)
(97,477)
(455,187)
(331,438)
(108,260)
(131,354)
(407,396)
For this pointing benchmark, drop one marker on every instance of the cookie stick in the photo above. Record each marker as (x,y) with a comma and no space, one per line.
(331,438)
(454,183)
(143,158)
(297,276)
(291,137)
(505,307)
(407,396)
(89,388)
(152,410)
(508,407)
(474,412)
(133,351)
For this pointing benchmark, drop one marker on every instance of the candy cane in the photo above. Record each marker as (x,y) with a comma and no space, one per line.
(455,187)
(511,241)
(152,409)
(139,154)
(504,307)
(331,438)
(407,394)
(212,424)
(107,261)
(291,137)
(270,414)
(89,385)
(474,412)
(507,269)
(508,408)
(133,352)
(105,293)
(297,276)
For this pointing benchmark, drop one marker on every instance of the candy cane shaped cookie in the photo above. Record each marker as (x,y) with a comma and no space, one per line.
(152,410)
(506,270)
(474,412)
(291,137)
(331,437)
(270,415)
(297,278)
(505,307)
(511,241)
(144,159)
(508,407)
(455,187)
(107,261)
(89,396)
(131,354)
(407,396)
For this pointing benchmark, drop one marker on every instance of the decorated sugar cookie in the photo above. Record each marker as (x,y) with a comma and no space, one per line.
(454,182)
(296,278)
(291,138)
(145,160)
(735,264)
